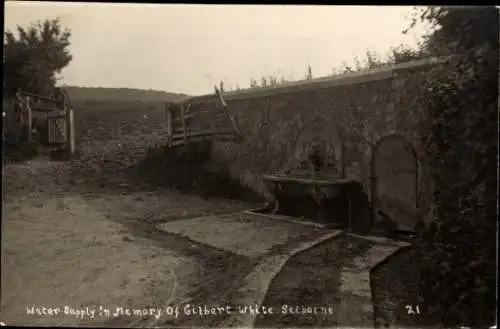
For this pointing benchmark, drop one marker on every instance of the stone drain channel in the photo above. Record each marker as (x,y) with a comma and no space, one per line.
(275,241)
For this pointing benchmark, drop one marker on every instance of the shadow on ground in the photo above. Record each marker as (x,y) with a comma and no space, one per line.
(186,169)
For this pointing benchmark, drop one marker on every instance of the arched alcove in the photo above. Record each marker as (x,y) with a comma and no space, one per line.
(320,131)
(394,168)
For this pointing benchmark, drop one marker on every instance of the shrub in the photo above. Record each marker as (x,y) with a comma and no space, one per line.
(458,282)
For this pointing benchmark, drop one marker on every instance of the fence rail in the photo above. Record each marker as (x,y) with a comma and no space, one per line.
(59,118)
(185,125)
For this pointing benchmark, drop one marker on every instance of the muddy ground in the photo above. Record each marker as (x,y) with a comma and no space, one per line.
(83,247)
(81,234)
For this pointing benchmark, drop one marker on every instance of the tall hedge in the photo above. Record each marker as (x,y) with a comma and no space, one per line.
(459,249)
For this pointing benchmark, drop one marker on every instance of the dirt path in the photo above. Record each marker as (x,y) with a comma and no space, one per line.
(64,251)
(75,255)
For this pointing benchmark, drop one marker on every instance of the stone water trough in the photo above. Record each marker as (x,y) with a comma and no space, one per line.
(310,200)
(319,194)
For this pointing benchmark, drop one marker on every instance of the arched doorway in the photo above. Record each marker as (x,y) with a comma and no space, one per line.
(394,181)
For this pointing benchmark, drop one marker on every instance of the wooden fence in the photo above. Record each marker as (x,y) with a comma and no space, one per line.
(58,127)
(185,125)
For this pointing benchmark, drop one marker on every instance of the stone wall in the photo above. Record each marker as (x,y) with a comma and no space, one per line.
(357,108)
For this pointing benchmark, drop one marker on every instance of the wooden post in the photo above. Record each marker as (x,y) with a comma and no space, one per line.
(168,114)
(70,128)
(70,131)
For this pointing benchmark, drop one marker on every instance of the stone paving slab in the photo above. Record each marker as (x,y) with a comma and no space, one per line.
(355,281)
(253,235)
(255,286)
(241,233)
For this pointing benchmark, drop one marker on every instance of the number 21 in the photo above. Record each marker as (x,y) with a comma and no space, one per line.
(413,309)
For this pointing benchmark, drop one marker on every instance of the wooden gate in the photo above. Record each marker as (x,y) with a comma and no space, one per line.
(54,119)
(394,171)
(57,133)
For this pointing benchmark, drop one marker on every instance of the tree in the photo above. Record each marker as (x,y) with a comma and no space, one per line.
(346,68)
(461,115)
(33,59)
(372,60)
(273,81)
(263,82)
(253,83)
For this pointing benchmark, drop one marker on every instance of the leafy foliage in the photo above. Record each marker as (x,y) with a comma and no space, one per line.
(34,57)
(459,248)
(403,54)
(371,60)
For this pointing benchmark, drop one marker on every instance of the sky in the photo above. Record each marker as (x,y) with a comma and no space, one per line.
(190,48)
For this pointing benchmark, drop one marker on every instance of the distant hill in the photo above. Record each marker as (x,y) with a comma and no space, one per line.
(79,94)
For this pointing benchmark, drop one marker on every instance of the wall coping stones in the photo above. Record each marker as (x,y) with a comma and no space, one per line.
(346,79)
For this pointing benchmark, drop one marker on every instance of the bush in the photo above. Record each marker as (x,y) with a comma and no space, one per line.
(458,282)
